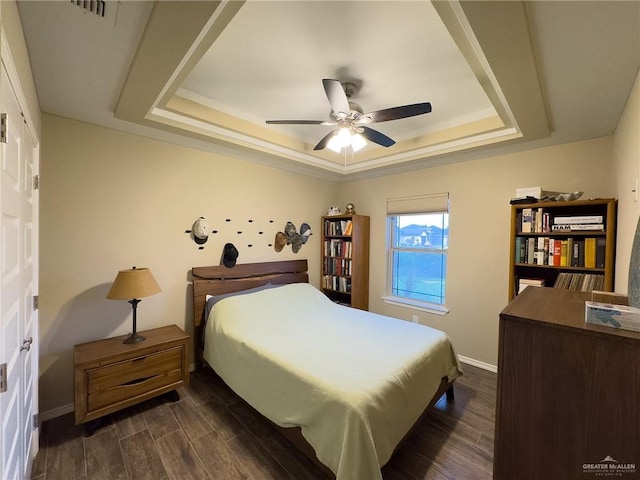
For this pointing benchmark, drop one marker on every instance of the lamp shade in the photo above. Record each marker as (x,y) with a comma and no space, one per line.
(133,283)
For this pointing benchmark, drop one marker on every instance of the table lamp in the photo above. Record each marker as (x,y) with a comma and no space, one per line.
(131,285)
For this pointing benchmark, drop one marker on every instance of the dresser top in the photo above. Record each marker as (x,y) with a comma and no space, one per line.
(559,308)
(113,347)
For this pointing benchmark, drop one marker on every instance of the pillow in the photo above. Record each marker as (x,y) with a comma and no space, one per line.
(211,300)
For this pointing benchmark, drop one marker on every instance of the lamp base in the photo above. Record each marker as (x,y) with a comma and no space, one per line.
(133,338)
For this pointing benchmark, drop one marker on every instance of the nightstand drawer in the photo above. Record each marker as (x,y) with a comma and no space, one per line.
(124,380)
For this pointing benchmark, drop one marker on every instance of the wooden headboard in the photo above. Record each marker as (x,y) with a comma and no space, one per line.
(216,280)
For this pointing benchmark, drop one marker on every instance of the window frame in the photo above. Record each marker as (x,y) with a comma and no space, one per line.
(390,298)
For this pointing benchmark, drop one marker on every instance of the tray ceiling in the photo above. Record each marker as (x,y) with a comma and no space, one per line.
(211,73)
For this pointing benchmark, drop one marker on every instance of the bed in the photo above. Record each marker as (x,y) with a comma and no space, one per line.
(344,385)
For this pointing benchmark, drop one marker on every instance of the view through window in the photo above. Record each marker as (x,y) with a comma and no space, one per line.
(418,256)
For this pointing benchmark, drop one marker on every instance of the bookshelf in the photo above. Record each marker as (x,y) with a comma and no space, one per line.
(569,245)
(345,259)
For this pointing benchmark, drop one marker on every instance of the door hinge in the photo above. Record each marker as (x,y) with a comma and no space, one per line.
(3,127)
(36,302)
(3,378)
(36,421)
(36,182)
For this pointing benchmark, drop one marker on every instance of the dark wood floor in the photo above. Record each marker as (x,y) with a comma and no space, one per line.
(212,434)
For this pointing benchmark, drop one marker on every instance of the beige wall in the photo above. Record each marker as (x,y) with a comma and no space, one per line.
(626,174)
(111,200)
(477,267)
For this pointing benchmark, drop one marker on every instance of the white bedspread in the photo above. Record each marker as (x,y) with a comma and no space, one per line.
(353,381)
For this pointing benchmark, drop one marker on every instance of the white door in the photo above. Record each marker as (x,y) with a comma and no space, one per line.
(18,285)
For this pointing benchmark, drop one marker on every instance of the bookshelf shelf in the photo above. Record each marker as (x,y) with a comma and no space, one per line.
(563,244)
(345,259)
(568,268)
(564,234)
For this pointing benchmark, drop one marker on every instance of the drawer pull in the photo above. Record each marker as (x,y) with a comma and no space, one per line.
(139,380)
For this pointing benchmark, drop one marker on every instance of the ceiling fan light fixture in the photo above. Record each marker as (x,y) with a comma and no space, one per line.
(344,136)
(334,144)
(357,142)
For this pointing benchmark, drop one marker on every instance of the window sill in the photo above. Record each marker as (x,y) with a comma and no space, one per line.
(416,305)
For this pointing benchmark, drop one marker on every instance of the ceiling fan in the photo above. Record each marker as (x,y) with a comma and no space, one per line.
(352,123)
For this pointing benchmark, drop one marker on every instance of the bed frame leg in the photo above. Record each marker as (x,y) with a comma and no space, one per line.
(450,395)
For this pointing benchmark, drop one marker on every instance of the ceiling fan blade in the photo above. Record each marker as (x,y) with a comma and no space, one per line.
(300,122)
(398,112)
(376,137)
(337,98)
(323,143)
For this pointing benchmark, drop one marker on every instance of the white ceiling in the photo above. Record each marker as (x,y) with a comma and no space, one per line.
(208,74)
(261,76)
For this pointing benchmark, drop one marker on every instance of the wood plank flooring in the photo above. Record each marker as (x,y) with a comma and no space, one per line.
(210,433)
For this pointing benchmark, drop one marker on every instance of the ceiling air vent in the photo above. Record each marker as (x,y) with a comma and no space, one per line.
(93,6)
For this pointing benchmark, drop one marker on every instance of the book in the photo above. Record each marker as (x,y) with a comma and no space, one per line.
(575,255)
(575,281)
(540,254)
(557,252)
(601,248)
(578,219)
(563,253)
(538,220)
(531,250)
(546,222)
(583,282)
(590,252)
(571,227)
(561,280)
(529,282)
(527,220)
(580,253)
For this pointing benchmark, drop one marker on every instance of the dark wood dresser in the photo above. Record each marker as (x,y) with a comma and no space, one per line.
(568,404)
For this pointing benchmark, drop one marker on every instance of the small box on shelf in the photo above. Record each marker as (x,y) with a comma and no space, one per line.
(612,310)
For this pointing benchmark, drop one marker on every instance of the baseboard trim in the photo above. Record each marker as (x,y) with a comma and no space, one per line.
(56,412)
(478,363)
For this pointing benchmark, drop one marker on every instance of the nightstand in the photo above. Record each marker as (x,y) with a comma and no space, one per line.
(111,375)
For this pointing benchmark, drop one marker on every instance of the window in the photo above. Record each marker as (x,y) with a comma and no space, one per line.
(418,230)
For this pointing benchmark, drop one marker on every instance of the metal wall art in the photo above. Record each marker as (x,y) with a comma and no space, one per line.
(290,236)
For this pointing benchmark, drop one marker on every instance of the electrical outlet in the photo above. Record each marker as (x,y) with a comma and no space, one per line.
(415,319)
